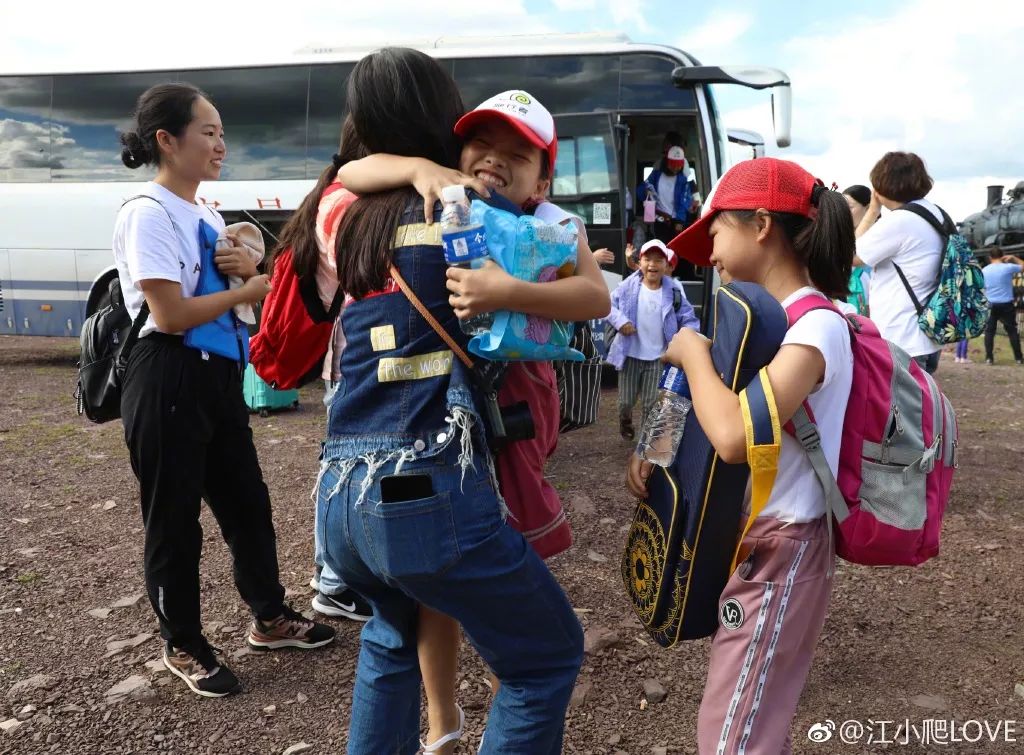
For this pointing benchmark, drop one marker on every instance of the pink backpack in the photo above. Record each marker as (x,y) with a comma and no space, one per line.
(897,456)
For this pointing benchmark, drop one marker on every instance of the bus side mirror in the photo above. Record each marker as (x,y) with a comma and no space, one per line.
(782,114)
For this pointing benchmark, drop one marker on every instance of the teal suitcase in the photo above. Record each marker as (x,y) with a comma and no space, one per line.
(260,397)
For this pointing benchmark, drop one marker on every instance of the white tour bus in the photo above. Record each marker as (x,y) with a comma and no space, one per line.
(62,181)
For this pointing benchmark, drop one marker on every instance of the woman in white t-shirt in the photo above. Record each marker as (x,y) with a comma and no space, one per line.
(770,222)
(185,421)
(905,240)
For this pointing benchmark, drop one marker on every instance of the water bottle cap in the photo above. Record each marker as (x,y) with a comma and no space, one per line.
(455,193)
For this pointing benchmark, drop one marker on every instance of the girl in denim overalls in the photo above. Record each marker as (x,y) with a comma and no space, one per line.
(409,511)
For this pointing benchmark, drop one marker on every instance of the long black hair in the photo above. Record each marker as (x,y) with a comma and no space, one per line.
(402,102)
(825,243)
(299,232)
(166,107)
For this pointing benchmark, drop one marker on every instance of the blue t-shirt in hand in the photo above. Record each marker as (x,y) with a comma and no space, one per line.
(999,281)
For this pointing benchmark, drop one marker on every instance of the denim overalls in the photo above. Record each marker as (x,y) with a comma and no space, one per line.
(409,513)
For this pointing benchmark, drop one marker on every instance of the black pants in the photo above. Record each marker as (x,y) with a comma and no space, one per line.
(1007,315)
(187,430)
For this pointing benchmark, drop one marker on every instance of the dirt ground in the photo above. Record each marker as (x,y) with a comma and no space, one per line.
(942,641)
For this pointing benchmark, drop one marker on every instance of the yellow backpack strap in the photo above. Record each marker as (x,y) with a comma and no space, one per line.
(764,441)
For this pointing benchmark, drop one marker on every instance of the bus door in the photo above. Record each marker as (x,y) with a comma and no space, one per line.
(586,179)
(7,323)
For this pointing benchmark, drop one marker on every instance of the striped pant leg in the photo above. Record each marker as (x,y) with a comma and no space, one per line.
(629,386)
(769,622)
(650,372)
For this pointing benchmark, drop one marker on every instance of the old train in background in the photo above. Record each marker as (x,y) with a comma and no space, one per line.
(1000,225)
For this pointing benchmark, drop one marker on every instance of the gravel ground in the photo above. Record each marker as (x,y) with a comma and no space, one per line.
(942,641)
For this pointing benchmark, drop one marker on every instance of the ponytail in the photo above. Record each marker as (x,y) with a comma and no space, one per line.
(827,245)
(299,232)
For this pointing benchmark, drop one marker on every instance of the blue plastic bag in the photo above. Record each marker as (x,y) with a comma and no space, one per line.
(530,250)
(226,335)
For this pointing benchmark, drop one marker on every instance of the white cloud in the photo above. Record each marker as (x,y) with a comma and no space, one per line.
(110,33)
(927,78)
(715,40)
(574,5)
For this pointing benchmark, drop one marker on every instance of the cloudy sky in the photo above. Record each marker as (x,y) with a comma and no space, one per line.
(938,77)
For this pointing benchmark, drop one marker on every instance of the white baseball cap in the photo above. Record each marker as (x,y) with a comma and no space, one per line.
(523,112)
(676,157)
(659,246)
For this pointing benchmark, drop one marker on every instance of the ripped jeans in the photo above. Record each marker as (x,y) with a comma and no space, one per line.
(432,530)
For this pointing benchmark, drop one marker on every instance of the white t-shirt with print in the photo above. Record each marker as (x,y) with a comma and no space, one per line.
(797,495)
(903,238)
(151,241)
(650,324)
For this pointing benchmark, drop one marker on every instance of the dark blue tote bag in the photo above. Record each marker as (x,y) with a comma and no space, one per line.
(226,336)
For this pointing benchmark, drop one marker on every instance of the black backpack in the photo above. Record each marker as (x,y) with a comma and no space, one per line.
(108,336)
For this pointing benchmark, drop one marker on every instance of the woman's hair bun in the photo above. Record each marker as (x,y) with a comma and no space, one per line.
(134,153)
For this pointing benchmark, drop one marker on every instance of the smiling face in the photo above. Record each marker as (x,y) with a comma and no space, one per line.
(501,157)
(736,248)
(653,266)
(198,154)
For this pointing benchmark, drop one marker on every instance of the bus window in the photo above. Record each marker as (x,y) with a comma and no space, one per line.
(264,115)
(327,85)
(563,83)
(24,133)
(585,166)
(88,112)
(646,84)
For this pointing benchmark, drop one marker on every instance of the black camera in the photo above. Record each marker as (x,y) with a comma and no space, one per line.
(505,424)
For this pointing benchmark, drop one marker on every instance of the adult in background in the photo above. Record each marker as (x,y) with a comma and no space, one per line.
(675,195)
(858,197)
(999,290)
(185,421)
(906,240)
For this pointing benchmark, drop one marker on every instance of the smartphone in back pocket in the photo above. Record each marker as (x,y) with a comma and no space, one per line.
(405,487)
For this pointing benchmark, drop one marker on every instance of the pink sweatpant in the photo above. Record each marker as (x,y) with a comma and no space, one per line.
(770,615)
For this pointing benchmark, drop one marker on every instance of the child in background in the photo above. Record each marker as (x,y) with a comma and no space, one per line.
(648,307)
(771,223)
(510,148)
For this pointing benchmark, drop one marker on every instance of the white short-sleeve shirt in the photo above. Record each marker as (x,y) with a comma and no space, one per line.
(909,241)
(159,241)
(650,328)
(797,495)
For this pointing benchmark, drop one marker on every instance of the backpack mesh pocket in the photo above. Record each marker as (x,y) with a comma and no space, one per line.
(894,495)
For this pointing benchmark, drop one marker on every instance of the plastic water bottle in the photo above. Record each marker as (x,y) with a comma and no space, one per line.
(465,245)
(663,428)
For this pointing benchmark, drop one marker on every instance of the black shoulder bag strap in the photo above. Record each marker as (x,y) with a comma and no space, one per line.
(944,229)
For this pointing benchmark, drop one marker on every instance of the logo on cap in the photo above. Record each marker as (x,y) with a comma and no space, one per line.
(521,97)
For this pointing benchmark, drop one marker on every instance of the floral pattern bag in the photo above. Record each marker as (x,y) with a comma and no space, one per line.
(958,308)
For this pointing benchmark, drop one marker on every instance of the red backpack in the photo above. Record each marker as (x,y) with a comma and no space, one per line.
(295,328)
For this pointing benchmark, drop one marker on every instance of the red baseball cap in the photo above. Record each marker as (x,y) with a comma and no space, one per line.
(521,111)
(766,182)
(676,158)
